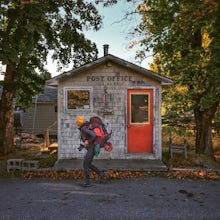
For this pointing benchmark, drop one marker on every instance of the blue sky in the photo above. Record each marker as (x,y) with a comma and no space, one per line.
(115,30)
(114,33)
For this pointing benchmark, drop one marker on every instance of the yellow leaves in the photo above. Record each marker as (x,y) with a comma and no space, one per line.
(142,8)
(163,110)
(206,40)
(181,89)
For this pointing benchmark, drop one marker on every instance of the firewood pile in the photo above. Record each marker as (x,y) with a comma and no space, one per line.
(25,138)
(26,141)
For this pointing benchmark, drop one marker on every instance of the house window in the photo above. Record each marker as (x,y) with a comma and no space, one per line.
(78,99)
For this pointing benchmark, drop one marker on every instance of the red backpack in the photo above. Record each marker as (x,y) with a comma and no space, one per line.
(100,130)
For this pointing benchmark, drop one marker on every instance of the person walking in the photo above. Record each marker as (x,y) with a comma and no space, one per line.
(88,137)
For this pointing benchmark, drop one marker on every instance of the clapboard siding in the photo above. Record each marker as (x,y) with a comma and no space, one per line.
(39,117)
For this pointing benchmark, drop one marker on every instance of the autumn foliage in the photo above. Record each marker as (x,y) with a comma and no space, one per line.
(193,174)
(116,175)
(79,174)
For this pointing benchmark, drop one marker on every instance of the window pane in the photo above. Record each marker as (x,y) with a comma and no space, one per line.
(139,108)
(78,99)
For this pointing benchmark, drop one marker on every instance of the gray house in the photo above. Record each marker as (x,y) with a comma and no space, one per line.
(126,96)
(42,113)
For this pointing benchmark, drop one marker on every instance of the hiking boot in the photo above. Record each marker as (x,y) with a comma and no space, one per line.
(102,177)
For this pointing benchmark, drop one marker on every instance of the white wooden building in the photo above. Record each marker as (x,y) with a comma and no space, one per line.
(126,96)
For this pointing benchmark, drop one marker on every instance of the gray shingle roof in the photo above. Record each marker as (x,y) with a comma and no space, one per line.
(49,95)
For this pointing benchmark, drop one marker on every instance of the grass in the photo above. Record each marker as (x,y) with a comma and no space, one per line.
(193,159)
(28,152)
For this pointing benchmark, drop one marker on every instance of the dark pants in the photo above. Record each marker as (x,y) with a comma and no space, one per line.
(87,164)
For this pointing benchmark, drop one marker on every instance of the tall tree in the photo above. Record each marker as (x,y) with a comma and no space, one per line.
(29,29)
(184,36)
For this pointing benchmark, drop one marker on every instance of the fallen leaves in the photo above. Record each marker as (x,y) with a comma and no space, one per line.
(79,174)
(50,174)
(193,174)
(111,174)
(114,174)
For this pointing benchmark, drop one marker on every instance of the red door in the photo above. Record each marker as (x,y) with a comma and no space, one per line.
(140,121)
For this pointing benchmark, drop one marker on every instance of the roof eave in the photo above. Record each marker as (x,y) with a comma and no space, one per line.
(163,80)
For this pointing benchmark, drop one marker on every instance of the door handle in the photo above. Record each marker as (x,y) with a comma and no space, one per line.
(128,126)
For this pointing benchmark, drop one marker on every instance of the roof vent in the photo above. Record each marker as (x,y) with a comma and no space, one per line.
(105,46)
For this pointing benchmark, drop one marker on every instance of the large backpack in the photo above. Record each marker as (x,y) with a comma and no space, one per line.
(100,129)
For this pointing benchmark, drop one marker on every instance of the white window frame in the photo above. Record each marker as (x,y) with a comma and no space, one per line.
(83,108)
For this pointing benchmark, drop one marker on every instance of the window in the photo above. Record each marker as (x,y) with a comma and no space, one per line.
(139,108)
(78,99)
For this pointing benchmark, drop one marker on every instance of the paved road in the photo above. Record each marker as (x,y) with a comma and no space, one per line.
(142,198)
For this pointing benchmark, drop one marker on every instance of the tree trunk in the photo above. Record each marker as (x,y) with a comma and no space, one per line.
(203,121)
(7,112)
(6,126)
